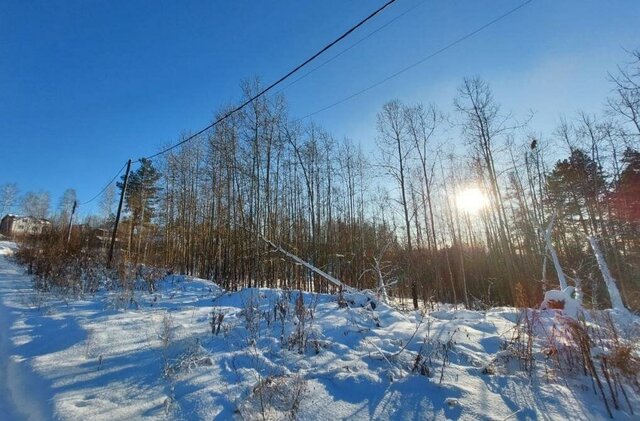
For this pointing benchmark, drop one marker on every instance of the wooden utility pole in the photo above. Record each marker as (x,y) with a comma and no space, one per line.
(73,211)
(115,226)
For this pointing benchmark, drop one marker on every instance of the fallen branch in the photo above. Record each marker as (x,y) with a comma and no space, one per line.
(309,266)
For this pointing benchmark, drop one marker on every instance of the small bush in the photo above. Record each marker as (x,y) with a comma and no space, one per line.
(275,398)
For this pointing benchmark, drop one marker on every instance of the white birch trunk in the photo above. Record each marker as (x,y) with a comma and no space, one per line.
(614,292)
(554,256)
(382,288)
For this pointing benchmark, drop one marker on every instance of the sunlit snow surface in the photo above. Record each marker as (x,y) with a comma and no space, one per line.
(90,359)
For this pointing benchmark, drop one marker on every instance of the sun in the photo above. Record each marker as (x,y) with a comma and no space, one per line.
(471,200)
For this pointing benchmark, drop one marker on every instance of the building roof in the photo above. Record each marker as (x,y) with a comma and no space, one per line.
(32,218)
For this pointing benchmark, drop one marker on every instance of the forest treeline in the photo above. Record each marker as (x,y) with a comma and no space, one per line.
(393,209)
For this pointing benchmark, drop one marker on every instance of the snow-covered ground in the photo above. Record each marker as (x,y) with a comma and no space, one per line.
(273,356)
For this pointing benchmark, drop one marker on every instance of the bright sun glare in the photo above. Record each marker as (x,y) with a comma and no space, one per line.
(471,200)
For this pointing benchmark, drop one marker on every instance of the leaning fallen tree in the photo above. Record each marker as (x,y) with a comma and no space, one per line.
(612,287)
(565,297)
(381,292)
(323,274)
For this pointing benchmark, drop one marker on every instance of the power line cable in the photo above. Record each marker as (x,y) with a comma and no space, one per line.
(277,82)
(411,66)
(344,35)
(264,91)
(105,187)
(412,8)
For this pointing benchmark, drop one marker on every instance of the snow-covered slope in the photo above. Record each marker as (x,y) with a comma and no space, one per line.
(271,354)
(7,248)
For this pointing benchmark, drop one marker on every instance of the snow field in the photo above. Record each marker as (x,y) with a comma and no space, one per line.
(276,355)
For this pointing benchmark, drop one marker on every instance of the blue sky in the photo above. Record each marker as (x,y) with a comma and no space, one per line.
(84,85)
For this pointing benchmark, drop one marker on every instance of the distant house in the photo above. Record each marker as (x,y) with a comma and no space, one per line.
(90,236)
(16,226)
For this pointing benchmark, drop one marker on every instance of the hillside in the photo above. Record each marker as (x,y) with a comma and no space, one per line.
(189,350)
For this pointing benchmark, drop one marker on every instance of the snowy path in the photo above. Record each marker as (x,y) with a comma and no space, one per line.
(22,394)
(49,368)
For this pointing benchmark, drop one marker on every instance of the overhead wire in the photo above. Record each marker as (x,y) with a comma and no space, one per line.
(355,44)
(104,188)
(313,57)
(268,88)
(277,82)
(417,63)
